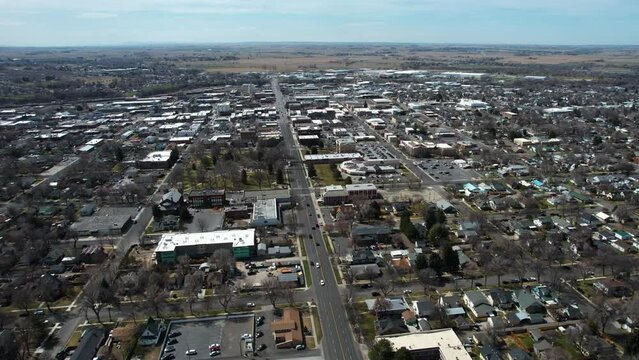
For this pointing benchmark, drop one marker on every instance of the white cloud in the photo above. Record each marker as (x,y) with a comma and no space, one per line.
(9,23)
(96,15)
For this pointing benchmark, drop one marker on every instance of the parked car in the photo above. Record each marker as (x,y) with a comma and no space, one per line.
(169,348)
(261,347)
(250,304)
(300,347)
(190,352)
(174,334)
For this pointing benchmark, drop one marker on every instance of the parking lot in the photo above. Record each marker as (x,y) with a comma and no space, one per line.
(445,170)
(205,220)
(199,334)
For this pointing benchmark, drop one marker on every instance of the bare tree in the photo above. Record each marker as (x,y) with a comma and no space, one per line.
(98,295)
(428,278)
(155,298)
(224,295)
(23,298)
(271,290)
(224,261)
(288,292)
(192,287)
(385,284)
(201,224)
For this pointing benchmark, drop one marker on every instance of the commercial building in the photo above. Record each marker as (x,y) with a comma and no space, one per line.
(206,198)
(288,331)
(441,344)
(265,213)
(338,194)
(331,158)
(156,160)
(172,246)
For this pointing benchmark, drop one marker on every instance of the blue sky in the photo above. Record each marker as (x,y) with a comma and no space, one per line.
(117,22)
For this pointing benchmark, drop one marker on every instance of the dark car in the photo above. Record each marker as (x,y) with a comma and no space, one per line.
(316,243)
(168,357)
(174,334)
(365,286)
(261,347)
(375,294)
(259,334)
(172,341)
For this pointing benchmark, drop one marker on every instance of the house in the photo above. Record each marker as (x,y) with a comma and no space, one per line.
(572,312)
(402,265)
(445,206)
(152,332)
(366,271)
(389,325)
(544,294)
(594,347)
(613,288)
(478,303)
(88,209)
(518,354)
(450,301)
(424,308)
(498,322)
(90,341)
(488,352)
(366,235)
(503,299)
(390,306)
(172,202)
(541,347)
(93,254)
(528,303)
(362,256)
(288,331)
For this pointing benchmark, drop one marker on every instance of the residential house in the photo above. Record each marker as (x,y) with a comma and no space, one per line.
(518,354)
(172,202)
(528,303)
(90,342)
(424,308)
(394,306)
(362,256)
(478,303)
(544,294)
(366,235)
(152,332)
(488,352)
(389,325)
(613,288)
(502,299)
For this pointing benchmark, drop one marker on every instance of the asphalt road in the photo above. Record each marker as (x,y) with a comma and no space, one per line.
(338,342)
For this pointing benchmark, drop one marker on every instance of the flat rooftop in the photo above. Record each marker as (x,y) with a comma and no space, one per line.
(450,347)
(239,238)
(159,156)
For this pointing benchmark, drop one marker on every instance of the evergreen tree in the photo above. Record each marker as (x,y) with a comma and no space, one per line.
(421,262)
(175,155)
(407,227)
(436,263)
(451,259)
(437,234)
(402,354)
(243,177)
(382,350)
(311,171)
(280,176)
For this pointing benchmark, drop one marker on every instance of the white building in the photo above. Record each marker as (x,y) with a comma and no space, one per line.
(434,344)
(265,213)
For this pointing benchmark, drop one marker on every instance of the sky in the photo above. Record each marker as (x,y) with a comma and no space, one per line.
(132,22)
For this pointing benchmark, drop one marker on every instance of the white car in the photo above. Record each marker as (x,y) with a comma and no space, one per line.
(246,336)
(250,304)
(317,265)
(322,282)
(191,352)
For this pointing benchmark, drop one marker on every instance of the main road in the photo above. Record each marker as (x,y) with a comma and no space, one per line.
(337,342)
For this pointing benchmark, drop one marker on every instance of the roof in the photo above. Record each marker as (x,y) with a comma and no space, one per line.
(158,156)
(290,325)
(449,345)
(238,238)
(89,344)
(264,210)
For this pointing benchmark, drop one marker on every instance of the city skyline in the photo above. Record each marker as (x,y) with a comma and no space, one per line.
(118,22)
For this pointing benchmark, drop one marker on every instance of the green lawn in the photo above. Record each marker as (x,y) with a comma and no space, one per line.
(565,344)
(338,276)
(307,273)
(318,325)
(329,244)
(326,177)
(366,322)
